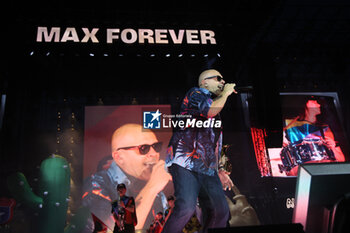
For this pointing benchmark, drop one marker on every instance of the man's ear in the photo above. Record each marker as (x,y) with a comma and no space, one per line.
(117,157)
(201,84)
(204,83)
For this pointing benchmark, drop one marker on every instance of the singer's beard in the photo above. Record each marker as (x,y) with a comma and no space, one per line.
(218,91)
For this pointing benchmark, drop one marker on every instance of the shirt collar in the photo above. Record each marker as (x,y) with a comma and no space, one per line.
(117,175)
(206,91)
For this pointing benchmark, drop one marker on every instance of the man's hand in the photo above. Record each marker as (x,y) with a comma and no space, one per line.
(219,101)
(159,177)
(225,180)
(229,88)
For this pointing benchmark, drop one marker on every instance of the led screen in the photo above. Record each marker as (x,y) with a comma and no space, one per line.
(312,133)
(117,149)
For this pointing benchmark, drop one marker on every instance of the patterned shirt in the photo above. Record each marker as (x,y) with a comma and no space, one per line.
(197,146)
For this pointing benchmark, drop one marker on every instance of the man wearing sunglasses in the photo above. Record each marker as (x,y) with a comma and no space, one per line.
(136,163)
(193,155)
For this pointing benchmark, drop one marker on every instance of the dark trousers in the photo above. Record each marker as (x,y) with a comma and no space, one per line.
(188,187)
(128,228)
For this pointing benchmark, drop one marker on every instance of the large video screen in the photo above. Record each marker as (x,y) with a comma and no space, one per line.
(117,149)
(312,133)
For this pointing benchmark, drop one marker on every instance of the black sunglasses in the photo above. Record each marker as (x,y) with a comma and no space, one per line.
(218,78)
(144,149)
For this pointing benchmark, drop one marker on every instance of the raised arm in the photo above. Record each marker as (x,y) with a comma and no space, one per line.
(219,101)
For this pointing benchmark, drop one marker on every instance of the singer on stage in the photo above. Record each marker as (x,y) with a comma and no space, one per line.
(193,154)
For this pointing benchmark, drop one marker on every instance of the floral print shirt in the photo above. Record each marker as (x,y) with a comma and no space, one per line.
(197,148)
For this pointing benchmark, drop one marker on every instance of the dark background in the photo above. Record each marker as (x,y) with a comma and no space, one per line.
(276,46)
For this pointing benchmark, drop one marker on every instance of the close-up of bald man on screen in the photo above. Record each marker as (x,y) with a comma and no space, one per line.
(136,163)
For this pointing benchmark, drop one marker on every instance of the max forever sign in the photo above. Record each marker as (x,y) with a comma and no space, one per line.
(127,36)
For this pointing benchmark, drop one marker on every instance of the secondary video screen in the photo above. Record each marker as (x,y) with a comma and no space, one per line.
(312,133)
(117,149)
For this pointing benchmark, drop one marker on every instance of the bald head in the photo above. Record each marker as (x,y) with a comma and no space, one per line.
(131,135)
(206,74)
(208,79)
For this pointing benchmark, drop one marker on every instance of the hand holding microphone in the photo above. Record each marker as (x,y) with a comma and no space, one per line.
(229,88)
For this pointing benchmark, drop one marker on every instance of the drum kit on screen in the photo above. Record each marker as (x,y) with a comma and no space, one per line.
(305,151)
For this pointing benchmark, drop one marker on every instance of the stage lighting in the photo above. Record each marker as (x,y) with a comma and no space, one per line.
(31,53)
(180,55)
(167,55)
(91,54)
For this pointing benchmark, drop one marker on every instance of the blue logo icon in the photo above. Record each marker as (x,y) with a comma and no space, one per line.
(151,120)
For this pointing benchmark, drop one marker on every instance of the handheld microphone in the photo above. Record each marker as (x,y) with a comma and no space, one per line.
(243,88)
